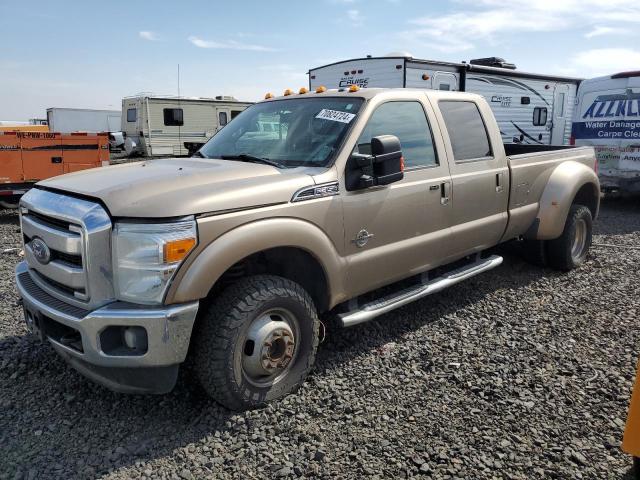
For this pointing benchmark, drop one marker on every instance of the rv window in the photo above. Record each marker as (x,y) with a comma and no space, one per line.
(407,121)
(525,100)
(173,117)
(467,131)
(131,115)
(235,113)
(540,116)
(445,86)
(222,118)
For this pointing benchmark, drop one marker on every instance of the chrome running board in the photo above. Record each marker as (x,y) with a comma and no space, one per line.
(390,302)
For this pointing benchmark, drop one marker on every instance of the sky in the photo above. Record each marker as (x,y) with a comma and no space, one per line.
(88,54)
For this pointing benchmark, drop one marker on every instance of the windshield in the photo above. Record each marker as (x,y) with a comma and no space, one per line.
(289,133)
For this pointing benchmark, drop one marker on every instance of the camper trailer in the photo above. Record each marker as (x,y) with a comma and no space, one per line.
(174,126)
(607,117)
(530,108)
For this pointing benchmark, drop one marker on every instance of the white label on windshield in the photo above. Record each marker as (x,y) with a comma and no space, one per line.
(335,115)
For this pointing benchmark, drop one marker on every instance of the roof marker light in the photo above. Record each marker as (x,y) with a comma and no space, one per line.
(354,88)
(425,76)
(303,90)
(321,89)
(288,92)
(268,96)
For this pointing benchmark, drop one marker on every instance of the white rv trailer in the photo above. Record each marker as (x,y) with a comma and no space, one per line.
(607,117)
(530,108)
(175,126)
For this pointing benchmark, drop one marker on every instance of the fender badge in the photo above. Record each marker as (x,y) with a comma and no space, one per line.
(362,238)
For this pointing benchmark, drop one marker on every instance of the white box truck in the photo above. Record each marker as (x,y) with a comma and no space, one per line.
(607,117)
(68,120)
(174,126)
(530,108)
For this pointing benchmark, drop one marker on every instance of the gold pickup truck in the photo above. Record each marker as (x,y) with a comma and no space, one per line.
(304,206)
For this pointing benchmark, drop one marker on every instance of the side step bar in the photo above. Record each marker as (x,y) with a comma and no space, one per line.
(391,302)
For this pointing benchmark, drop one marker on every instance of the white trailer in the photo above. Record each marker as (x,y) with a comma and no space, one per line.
(530,108)
(174,126)
(67,120)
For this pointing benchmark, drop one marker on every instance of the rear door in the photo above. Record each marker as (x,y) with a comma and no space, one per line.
(223,116)
(479,175)
(401,229)
(560,113)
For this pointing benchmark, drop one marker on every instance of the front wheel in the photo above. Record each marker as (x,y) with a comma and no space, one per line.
(256,342)
(570,249)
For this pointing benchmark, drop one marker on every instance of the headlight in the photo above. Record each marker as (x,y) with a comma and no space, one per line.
(146,255)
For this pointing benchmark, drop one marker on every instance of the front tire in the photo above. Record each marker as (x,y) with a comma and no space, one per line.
(570,249)
(256,342)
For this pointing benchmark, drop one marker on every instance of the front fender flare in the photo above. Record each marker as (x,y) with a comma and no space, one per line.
(558,195)
(217,257)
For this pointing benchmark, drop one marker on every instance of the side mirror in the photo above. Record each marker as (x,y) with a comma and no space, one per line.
(385,165)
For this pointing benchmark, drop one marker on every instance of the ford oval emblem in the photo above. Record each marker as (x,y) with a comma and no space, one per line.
(40,250)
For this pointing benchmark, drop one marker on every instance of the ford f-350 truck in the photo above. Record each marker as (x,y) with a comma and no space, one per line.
(304,206)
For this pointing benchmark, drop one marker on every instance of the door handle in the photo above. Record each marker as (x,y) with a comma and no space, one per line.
(445,192)
(499,185)
(56,159)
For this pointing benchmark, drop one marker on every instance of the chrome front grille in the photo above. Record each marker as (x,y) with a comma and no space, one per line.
(67,245)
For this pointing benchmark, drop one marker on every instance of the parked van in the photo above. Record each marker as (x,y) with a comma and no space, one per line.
(607,117)
(174,126)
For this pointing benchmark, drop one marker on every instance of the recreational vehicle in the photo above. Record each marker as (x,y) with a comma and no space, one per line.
(530,108)
(174,126)
(607,117)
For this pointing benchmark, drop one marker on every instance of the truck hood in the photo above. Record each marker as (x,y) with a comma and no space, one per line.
(182,186)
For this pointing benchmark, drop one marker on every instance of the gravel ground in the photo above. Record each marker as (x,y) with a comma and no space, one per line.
(518,373)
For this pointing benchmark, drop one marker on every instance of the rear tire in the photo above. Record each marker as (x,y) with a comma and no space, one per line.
(256,342)
(570,249)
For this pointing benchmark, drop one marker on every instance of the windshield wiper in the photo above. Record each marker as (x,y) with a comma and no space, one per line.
(245,157)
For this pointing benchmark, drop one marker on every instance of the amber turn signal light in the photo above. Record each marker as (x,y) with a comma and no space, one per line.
(175,250)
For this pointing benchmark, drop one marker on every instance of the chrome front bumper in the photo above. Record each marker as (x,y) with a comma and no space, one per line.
(168,331)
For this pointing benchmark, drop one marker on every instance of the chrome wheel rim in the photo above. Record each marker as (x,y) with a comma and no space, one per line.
(579,240)
(268,347)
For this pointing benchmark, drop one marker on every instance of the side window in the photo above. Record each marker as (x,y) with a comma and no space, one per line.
(540,116)
(131,114)
(222,118)
(235,113)
(408,122)
(467,132)
(444,86)
(173,117)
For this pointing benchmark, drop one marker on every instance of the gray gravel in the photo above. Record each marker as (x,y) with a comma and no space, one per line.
(518,373)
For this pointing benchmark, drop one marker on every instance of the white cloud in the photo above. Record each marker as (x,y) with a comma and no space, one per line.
(488,20)
(355,18)
(228,45)
(147,35)
(599,31)
(604,61)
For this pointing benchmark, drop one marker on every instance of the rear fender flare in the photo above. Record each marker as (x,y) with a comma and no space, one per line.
(558,196)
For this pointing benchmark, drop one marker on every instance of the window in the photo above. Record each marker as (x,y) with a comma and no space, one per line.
(293,132)
(222,118)
(173,117)
(445,86)
(131,114)
(235,113)
(407,121)
(540,116)
(525,100)
(467,132)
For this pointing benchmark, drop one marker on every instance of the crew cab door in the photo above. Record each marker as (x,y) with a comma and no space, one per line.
(479,175)
(401,229)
